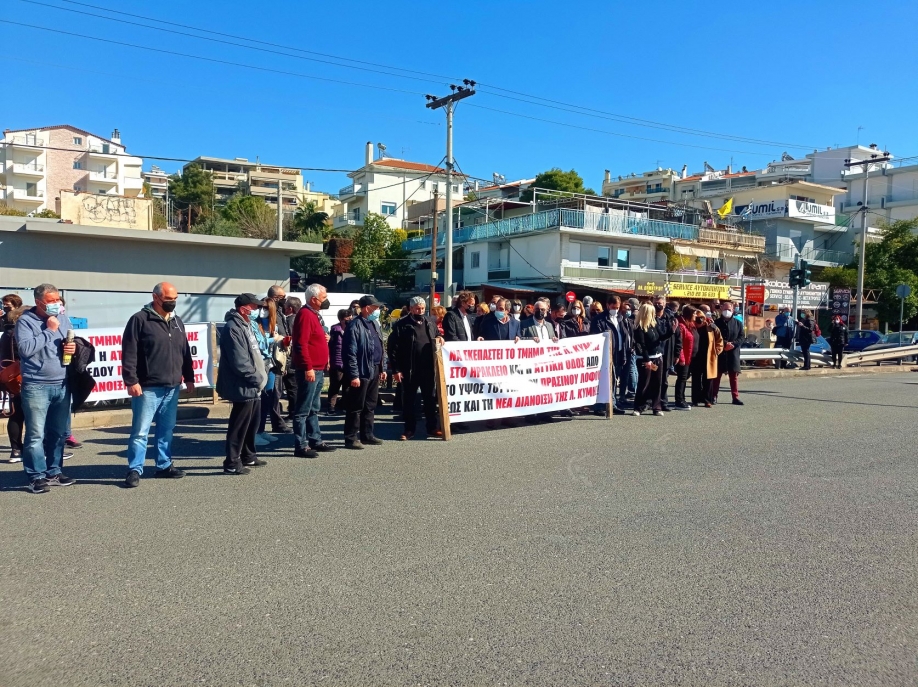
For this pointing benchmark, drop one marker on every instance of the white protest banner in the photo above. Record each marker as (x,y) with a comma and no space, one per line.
(486,380)
(106,370)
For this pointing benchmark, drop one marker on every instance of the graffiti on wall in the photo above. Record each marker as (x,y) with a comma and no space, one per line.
(110,209)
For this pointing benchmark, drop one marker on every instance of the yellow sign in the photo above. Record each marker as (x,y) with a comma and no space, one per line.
(683,290)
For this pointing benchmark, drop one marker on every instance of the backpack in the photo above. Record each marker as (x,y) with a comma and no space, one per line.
(816,330)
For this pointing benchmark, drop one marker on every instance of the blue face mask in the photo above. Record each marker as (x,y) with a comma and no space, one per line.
(373,316)
(253,316)
(54,309)
(501,315)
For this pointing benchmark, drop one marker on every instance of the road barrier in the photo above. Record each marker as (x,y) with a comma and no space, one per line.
(879,356)
(900,353)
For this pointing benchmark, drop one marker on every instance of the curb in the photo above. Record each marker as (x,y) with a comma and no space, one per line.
(826,372)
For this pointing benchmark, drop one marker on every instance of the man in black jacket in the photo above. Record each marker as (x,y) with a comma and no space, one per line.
(457,323)
(364,368)
(155,358)
(728,362)
(622,334)
(667,322)
(412,346)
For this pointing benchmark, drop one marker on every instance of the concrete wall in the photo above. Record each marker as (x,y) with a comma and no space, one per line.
(104,210)
(60,171)
(536,256)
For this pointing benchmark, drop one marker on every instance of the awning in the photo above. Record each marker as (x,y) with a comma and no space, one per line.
(696,251)
(604,285)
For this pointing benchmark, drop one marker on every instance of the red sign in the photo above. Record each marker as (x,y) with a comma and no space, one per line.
(755,293)
(570,296)
(436,299)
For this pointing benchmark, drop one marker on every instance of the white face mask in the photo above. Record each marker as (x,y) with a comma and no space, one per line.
(727,313)
(576,312)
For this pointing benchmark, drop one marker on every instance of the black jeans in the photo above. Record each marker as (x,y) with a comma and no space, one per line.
(682,375)
(289,383)
(360,407)
(783,342)
(410,385)
(240,433)
(649,386)
(805,349)
(837,350)
(270,407)
(15,422)
(335,385)
(700,386)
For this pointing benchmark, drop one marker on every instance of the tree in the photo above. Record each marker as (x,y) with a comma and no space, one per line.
(340,249)
(371,243)
(216,225)
(839,276)
(194,189)
(557,180)
(314,264)
(398,268)
(890,262)
(310,220)
(253,216)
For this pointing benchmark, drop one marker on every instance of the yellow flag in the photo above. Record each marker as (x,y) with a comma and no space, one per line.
(726,209)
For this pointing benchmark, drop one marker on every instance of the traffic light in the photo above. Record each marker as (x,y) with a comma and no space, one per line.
(805,273)
(796,278)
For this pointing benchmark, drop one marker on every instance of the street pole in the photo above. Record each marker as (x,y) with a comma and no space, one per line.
(280,211)
(448,102)
(796,289)
(433,251)
(901,317)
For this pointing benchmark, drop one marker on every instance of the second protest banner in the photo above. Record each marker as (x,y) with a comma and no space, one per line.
(486,380)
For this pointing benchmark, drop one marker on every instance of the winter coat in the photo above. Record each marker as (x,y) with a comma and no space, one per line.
(155,351)
(711,342)
(529,328)
(453,328)
(241,375)
(686,349)
(650,343)
(574,326)
(668,322)
(335,344)
(79,380)
(621,354)
(492,330)
(400,345)
(805,335)
(358,349)
(839,335)
(732,332)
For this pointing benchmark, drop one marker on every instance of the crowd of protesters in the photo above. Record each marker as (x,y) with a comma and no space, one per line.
(275,347)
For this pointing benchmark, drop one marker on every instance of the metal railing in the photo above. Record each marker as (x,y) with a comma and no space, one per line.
(103,175)
(751,355)
(720,237)
(628,274)
(848,359)
(102,150)
(880,355)
(27,140)
(28,168)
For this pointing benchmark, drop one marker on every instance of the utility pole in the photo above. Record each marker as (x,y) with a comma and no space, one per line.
(448,102)
(865,165)
(433,249)
(280,211)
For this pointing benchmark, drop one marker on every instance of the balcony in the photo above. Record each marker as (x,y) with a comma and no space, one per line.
(732,239)
(103,177)
(30,169)
(349,219)
(629,275)
(228,178)
(351,190)
(826,258)
(26,141)
(25,196)
(578,220)
(105,152)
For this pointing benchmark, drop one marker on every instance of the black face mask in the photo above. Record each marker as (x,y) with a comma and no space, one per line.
(326,304)
(539,314)
(281,303)
(169,306)
(658,309)
(418,318)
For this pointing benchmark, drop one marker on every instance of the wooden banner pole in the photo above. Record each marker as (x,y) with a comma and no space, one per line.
(214,352)
(442,404)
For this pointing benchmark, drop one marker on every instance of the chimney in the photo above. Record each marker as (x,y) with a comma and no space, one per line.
(116,137)
(308,186)
(476,185)
(873,146)
(729,169)
(684,172)
(608,177)
(369,155)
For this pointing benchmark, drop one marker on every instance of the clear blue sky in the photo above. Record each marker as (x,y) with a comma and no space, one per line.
(792,73)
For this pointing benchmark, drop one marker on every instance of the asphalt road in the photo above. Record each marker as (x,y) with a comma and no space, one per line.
(774,544)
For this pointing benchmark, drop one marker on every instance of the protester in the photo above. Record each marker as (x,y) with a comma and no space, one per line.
(283,370)
(649,335)
(500,325)
(456,323)
(627,312)
(838,339)
(8,356)
(765,337)
(784,333)
(516,308)
(728,362)
(575,323)
(482,311)
(588,306)
(268,333)
(528,309)
(310,358)
(704,362)
(806,336)
(687,351)
(538,327)
(412,347)
(41,340)
(556,317)
(595,310)
(241,380)
(10,302)
(336,360)
(364,369)
(438,312)
(667,324)
(620,348)
(292,306)
(155,359)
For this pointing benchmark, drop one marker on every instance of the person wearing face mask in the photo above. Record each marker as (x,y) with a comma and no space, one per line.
(806,335)
(704,362)
(268,334)
(629,311)
(241,380)
(155,360)
(838,339)
(649,335)
(621,343)
(672,342)
(728,362)
(412,346)
(41,339)
(10,303)
(364,369)
(575,324)
(457,325)
(516,309)
(310,359)
(500,325)
(687,350)
(538,327)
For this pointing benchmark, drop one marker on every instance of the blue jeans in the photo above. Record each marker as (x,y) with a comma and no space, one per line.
(47,418)
(633,375)
(308,405)
(159,404)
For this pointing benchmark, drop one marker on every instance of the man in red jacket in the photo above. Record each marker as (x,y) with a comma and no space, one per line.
(310,358)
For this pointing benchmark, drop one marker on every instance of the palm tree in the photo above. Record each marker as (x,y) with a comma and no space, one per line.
(308,220)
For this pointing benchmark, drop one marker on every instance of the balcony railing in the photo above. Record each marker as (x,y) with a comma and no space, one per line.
(100,175)
(731,239)
(23,194)
(631,274)
(102,150)
(28,168)
(615,225)
(27,140)
(351,190)
(785,253)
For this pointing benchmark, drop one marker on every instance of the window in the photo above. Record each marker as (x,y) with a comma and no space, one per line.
(423,184)
(455,188)
(604,254)
(623,258)
(78,165)
(476,259)
(77,140)
(388,208)
(76,187)
(31,190)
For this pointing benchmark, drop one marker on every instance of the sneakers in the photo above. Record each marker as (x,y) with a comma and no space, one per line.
(132,480)
(658,413)
(407,436)
(636,413)
(738,402)
(665,408)
(170,472)
(15,457)
(236,471)
(682,406)
(39,486)
(372,441)
(257,463)
(72,442)
(68,455)
(305,453)
(354,445)
(323,448)
(264,440)
(60,480)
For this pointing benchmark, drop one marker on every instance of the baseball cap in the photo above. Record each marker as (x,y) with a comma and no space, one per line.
(369,300)
(247,299)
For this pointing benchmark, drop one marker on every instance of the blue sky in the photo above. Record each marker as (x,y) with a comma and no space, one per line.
(797,75)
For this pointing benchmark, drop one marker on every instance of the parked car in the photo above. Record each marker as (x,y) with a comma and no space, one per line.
(859,339)
(820,345)
(892,341)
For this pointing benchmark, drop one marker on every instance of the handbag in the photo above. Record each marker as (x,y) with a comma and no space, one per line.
(279,360)
(11,376)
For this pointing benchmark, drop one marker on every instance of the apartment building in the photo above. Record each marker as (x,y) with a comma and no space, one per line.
(37,163)
(389,187)
(158,181)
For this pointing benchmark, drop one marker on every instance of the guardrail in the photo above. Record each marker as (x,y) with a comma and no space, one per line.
(878,356)
(750,355)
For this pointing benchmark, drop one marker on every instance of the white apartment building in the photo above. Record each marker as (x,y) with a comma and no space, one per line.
(389,187)
(36,164)
(158,181)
